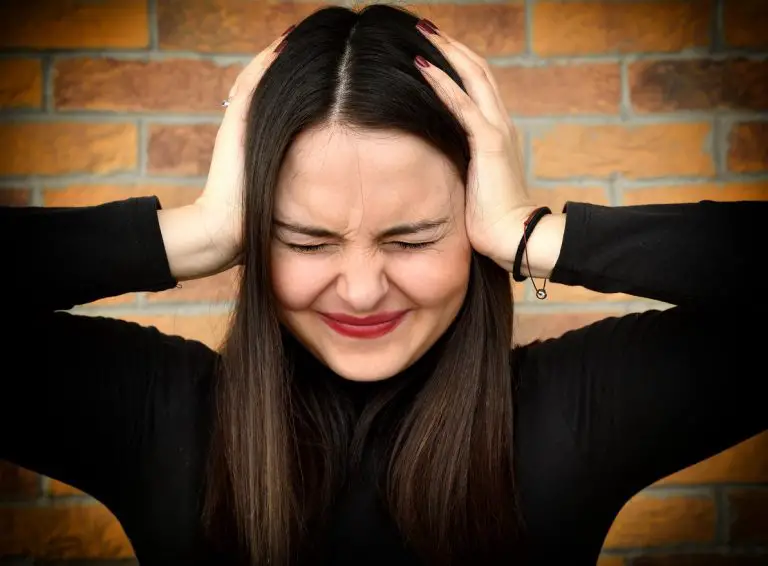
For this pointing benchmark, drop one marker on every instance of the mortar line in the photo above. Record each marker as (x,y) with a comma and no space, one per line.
(718,144)
(625,104)
(142,146)
(152,23)
(717,28)
(224,58)
(528,26)
(48,87)
(722,516)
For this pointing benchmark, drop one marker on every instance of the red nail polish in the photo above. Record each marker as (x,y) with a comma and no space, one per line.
(426,26)
(289,30)
(431,24)
(421,62)
(280,47)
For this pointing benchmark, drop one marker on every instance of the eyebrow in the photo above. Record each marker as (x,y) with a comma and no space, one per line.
(398,230)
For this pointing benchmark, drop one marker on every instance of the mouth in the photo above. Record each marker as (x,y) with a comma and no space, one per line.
(368,327)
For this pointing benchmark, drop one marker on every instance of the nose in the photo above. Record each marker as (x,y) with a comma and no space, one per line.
(362,282)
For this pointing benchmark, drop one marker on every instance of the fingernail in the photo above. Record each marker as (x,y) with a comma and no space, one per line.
(289,30)
(431,24)
(427,27)
(421,62)
(280,47)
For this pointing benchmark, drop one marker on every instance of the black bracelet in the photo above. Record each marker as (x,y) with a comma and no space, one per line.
(529,224)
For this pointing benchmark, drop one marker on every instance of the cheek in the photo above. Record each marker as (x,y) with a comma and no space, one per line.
(433,279)
(428,278)
(298,280)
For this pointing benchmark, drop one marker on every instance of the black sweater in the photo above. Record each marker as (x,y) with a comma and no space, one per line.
(601,412)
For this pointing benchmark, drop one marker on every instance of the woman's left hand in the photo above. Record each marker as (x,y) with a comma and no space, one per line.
(497,202)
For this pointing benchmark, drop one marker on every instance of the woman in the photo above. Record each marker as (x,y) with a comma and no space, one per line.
(365,407)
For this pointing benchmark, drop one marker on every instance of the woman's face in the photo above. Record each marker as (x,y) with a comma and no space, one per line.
(371,258)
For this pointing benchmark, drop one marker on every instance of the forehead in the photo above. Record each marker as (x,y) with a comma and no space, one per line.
(341,176)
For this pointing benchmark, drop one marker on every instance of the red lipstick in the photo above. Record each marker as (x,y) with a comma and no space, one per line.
(373,326)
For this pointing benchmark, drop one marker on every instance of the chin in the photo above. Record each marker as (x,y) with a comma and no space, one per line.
(365,367)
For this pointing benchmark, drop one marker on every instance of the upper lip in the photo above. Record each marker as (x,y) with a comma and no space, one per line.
(370,320)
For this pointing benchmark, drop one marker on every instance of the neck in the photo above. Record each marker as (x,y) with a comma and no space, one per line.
(308,367)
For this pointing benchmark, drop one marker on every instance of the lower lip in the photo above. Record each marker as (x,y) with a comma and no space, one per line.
(368,331)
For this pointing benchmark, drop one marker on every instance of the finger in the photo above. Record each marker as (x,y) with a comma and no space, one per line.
(462,106)
(483,64)
(478,60)
(249,77)
(475,73)
(246,82)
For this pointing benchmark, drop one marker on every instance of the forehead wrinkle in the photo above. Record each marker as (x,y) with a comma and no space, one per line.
(395,210)
(393,194)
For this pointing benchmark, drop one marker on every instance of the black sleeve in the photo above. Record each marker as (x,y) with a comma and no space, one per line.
(683,254)
(57,258)
(648,394)
(79,394)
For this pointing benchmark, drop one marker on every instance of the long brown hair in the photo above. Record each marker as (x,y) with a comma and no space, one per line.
(282,443)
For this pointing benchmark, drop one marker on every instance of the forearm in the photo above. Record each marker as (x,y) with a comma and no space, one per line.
(196,244)
(683,254)
(60,257)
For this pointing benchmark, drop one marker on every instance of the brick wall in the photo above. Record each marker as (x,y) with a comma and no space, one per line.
(621,102)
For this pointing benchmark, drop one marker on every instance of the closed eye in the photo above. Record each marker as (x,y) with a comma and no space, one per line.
(412,245)
(320,247)
(307,249)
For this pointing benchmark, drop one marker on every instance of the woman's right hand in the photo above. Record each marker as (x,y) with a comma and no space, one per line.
(205,237)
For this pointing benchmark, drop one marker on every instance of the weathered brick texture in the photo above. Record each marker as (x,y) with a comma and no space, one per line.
(617,102)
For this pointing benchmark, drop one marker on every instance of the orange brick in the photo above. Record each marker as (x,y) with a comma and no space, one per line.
(126,299)
(560,89)
(56,148)
(62,532)
(61,489)
(700,559)
(748,148)
(749,516)
(745,190)
(698,84)
(529,327)
(181,150)
(636,152)
(489,29)
(216,288)
(73,24)
(518,290)
(170,196)
(14,197)
(577,28)
(208,329)
(606,560)
(558,293)
(647,521)
(179,85)
(21,83)
(556,197)
(747,462)
(17,482)
(219,26)
(744,23)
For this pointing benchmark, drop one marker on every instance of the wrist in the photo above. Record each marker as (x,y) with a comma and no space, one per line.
(541,249)
(198,240)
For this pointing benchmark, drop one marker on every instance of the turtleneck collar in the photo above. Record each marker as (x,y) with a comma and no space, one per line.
(360,391)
